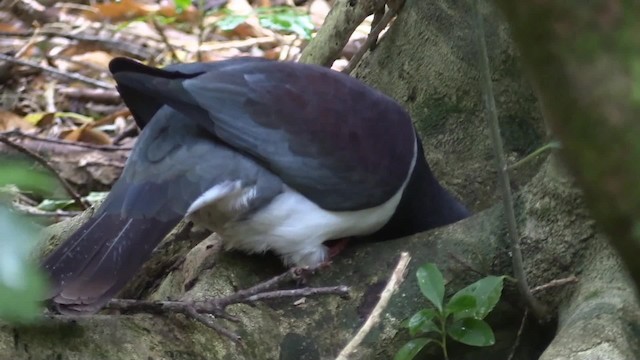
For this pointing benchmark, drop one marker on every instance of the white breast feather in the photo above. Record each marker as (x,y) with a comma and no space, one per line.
(291,225)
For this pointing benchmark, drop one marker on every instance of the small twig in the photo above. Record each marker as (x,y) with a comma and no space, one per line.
(238,296)
(165,39)
(58,73)
(126,47)
(49,96)
(32,211)
(372,38)
(555,283)
(201,29)
(18,133)
(110,97)
(74,195)
(536,307)
(519,335)
(377,17)
(198,310)
(397,277)
(206,321)
(550,146)
(28,45)
(309,291)
(339,25)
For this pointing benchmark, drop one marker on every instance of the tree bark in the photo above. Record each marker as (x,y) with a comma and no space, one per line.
(429,62)
(583,59)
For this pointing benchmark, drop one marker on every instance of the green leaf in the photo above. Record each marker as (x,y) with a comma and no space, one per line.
(286,19)
(21,285)
(462,304)
(53,205)
(472,332)
(24,177)
(96,196)
(431,284)
(230,22)
(411,349)
(487,292)
(422,322)
(182,5)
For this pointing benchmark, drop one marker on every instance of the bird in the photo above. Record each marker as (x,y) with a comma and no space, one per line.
(273,156)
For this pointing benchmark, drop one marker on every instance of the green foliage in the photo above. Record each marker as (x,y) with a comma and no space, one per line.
(182,5)
(15,173)
(461,318)
(21,285)
(230,21)
(278,18)
(66,204)
(286,19)
(431,284)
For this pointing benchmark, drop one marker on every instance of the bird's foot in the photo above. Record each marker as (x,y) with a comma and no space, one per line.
(336,247)
(205,311)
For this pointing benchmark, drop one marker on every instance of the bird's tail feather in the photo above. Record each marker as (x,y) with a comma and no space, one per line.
(96,262)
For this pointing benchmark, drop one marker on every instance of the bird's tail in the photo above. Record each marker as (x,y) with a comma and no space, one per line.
(96,262)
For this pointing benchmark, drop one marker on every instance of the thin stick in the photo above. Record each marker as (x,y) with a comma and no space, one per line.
(199,310)
(19,133)
(58,73)
(74,195)
(372,38)
(550,146)
(555,283)
(33,211)
(160,29)
(519,335)
(308,291)
(503,176)
(397,277)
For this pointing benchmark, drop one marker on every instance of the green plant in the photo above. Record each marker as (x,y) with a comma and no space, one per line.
(21,284)
(278,18)
(461,318)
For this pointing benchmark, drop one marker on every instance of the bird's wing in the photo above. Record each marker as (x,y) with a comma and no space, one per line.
(338,142)
(173,163)
(144,107)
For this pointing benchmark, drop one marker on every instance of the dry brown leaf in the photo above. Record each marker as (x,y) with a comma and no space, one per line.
(109,119)
(40,119)
(189,14)
(10,26)
(250,28)
(98,58)
(10,121)
(131,9)
(86,134)
(121,10)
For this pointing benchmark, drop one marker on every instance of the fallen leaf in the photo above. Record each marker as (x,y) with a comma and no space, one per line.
(86,134)
(97,58)
(40,118)
(10,121)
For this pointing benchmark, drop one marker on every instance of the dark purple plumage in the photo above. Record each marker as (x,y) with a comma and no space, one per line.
(250,145)
(292,116)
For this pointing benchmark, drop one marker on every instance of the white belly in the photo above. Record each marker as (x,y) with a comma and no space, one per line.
(291,225)
(295,228)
